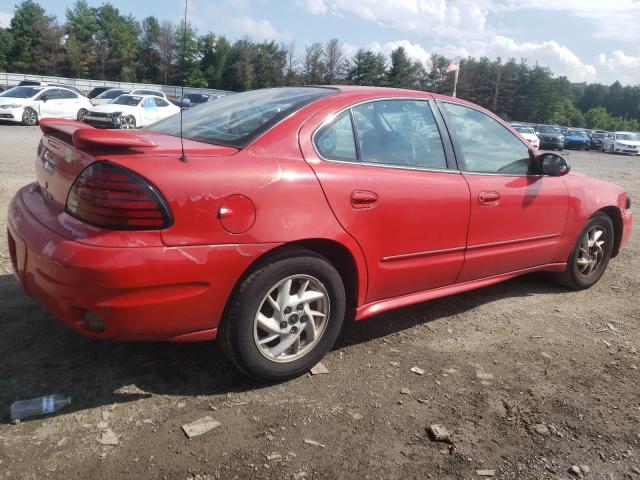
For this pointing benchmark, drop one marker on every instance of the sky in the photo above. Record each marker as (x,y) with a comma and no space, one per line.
(585,40)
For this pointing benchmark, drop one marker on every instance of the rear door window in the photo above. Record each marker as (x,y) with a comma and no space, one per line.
(335,141)
(399,132)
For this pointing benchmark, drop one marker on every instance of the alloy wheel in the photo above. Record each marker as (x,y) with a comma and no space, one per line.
(128,122)
(30,117)
(591,250)
(291,318)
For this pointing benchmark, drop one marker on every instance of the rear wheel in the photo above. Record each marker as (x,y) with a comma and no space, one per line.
(29,117)
(590,255)
(284,317)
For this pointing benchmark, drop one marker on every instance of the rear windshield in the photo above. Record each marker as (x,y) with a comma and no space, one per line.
(524,129)
(549,129)
(576,133)
(21,92)
(598,135)
(236,120)
(130,100)
(111,94)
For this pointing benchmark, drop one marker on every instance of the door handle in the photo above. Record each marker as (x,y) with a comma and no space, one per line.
(363,199)
(489,198)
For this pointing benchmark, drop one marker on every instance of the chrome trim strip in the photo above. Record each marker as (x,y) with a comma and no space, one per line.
(410,256)
(511,242)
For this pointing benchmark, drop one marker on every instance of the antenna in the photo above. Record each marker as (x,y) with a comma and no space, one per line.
(183,157)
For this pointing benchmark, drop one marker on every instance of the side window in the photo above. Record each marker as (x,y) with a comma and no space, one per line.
(487,146)
(160,102)
(52,94)
(67,94)
(399,132)
(335,141)
(149,104)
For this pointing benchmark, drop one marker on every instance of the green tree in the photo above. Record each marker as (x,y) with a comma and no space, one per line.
(81,27)
(367,68)
(401,69)
(36,45)
(117,47)
(150,59)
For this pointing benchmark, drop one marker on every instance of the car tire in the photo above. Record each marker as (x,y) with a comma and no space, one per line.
(81,114)
(29,117)
(243,336)
(128,122)
(579,274)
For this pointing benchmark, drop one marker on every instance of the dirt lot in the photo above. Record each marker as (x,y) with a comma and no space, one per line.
(499,362)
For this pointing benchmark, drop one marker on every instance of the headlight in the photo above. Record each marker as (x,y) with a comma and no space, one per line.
(10,106)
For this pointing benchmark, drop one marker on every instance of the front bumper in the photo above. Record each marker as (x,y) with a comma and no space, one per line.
(140,293)
(11,114)
(628,150)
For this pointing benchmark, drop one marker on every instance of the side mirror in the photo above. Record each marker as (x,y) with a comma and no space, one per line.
(44,98)
(553,164)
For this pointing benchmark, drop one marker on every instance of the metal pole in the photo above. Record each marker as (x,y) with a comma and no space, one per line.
(455,82)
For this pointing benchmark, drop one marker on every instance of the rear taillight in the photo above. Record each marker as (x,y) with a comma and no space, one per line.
(113,197)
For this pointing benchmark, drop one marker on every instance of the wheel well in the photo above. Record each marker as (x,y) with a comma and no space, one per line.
(336,253)
(616,218)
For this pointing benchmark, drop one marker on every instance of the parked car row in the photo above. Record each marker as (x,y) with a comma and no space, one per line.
(557,137)
(103,107)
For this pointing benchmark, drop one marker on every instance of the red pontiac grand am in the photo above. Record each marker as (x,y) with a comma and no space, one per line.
(288,210)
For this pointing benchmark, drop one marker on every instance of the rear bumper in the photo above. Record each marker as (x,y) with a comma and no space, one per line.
(140,293)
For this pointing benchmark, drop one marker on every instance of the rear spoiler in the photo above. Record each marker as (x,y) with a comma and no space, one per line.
(82,135)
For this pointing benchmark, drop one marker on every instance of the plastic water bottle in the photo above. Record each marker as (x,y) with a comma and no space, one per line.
(38,406)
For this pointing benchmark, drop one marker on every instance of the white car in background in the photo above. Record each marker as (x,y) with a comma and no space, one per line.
(529,134)
(148,91)
(28,104)
(130,111)
(621,142)
(108,96)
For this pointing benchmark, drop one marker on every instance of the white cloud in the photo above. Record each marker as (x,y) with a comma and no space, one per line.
(560,59)
(620,66)
(257,29)
(5,19)
(614,20)
(453,18)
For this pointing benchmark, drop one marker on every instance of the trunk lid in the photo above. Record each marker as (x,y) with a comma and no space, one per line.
(68,147)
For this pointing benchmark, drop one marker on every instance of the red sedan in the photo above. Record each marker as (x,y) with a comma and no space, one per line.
(284,211)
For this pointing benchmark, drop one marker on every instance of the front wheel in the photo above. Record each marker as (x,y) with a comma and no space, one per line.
(128,122)
(81,114)
(284,317)
(590,255)
(29,117)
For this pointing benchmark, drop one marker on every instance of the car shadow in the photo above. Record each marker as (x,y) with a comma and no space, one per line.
(39,356)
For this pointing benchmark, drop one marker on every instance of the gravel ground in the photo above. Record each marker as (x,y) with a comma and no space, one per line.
(529,379)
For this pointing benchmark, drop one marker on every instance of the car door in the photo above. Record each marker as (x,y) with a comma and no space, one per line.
(69,104)
(163,108)
(49,103)
(386,173)
(517,214)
